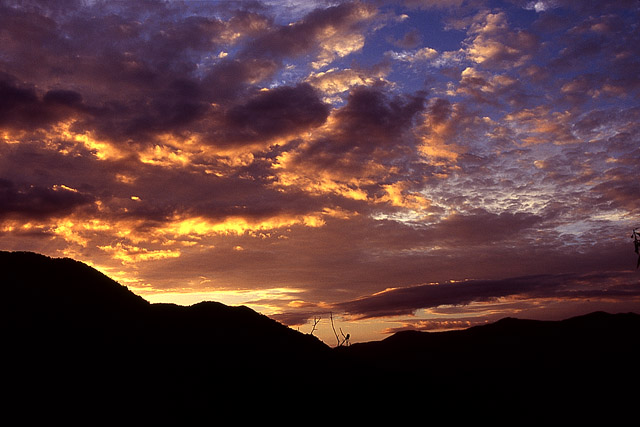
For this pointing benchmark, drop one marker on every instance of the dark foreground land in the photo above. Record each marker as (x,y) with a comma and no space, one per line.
(78,346)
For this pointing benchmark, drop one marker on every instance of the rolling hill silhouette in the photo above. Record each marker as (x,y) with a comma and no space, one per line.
(74,334)
(77,342)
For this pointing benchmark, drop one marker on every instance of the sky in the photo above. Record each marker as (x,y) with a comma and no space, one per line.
(368,166)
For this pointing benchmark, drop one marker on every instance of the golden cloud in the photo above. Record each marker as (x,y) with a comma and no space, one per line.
(542,125)
(334,81)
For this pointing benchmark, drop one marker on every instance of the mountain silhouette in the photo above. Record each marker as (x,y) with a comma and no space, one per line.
(78,343)
(71,332)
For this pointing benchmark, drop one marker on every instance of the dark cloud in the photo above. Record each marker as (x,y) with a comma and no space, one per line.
(595,50)
(282,111)
(478,227)
(22,108)
(67,98)
(16,104)
(29,201)
(440,110)
(231,78)
(372,126)
(149,71)
(406,300)
(141,70)
(376,116)
(243,198)
(594,7)
(173,109)
(410,40)
(305,37)
(620,189)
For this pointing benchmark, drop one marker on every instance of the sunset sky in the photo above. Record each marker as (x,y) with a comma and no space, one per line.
(417,164)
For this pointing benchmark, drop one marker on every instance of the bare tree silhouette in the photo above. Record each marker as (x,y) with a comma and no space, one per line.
(345,338)
(316,320)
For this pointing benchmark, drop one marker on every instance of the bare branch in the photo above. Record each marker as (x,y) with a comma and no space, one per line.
(334,328)
(316,320)
(345,338)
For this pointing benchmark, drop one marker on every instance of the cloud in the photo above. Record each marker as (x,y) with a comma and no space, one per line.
(406,300)
(443,132)
(22,108)
(377,117)
(169,83)
(423,54)
(489,88)
(280,112)
(327,34)
(410,40)
(362,144)
(433,4)
(231,77)
(32,202)
(494,44)
(142,72)
(338,81)
(542,125)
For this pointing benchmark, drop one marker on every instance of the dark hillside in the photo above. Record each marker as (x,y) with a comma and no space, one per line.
(41,294)
(72,336)
(581,370)
(590,343)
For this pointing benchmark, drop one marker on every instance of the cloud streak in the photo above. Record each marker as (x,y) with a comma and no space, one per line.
(406,300)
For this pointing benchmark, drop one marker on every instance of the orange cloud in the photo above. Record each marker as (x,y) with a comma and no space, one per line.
(398,194)
(492,42)
(542,125)
(131,254)
(335,81)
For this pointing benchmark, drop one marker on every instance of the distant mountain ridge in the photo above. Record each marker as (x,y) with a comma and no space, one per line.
(72,334)
(575,345)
